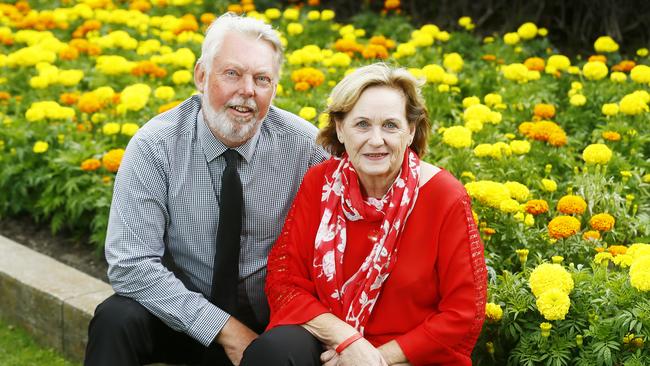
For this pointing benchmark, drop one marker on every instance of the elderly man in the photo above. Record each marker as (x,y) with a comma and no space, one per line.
(199,199)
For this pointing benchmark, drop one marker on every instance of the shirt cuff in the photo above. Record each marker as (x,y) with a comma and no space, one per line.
(208,324)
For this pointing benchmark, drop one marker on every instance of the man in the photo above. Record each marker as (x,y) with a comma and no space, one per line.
(220,167)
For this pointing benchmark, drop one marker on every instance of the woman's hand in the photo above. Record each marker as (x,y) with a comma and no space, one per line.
(359,353)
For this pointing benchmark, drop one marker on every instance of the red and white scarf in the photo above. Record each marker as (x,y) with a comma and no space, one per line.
(342,200)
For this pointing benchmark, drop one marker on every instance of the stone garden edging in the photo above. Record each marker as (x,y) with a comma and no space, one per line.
(52,301)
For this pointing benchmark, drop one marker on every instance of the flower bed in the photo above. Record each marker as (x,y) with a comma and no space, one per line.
(554,152)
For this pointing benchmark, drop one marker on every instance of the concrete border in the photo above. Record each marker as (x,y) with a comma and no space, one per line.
(52,301)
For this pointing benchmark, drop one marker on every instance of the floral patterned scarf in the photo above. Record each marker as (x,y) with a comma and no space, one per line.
(342,200)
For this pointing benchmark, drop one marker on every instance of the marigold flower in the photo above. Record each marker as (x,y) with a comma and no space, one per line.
(90,165)
(633,104)
(527,30)
(545,329)
(111,128)
(522,254)
(559,62)
(563,227)
(129,129)
(40,147)
(520,147)
(511,38)
(549,185)
(605,44)
(624,66)
(640,74)
(536,207)
(571,204)
(623,260)
(553,304)
(602,222)
(493,312)
(609,109)
(592,235)
(309,75)
(535,63)
(544,111)
(548,276)
(457,136)
(488,192)
(597,154)
(453,62)
(616,250)
(578,100)
(112,160)
(307,113)
(517,190)
(640,273)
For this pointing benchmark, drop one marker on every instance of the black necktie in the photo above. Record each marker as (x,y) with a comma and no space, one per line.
(226,258)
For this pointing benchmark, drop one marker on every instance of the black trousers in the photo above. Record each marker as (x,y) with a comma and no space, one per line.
(289,345)
(122,332)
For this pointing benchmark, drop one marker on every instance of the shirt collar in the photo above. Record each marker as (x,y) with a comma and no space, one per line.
(213,147)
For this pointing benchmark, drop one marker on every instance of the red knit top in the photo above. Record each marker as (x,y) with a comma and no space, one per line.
(433,302)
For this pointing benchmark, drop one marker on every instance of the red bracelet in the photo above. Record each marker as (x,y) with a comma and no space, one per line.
(353,338)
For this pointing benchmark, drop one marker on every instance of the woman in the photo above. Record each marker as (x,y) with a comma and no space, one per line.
(379,260)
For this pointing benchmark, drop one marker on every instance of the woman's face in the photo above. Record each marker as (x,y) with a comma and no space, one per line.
(376,133)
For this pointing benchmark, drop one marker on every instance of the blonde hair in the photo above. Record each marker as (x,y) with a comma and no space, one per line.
(347,92)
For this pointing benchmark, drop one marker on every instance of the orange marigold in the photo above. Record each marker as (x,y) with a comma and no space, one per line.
(536,207)
(69,53)
(310,75)
(571,204)
(611,136)
(69,98)
(348,46)
(602,222)
(141,5)
(624,66)
(544,111)
(112,160)
(563,227)
(302,86)
(592,235)
(535,63)
(600,58)
(488,57)
(188,23)
(90,164)
(617,249)
(88,103)
(4,95)
(207,18)
(375,51)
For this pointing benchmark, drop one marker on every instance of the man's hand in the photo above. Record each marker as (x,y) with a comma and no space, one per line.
(234,338)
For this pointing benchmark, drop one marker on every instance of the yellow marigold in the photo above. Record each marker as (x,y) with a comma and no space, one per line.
(111,128)
(605,44)
(549,185)
(129,129)
(457,136)
(602,222)
(488,192)
(520,147)
(536,207)
(90,164)
(527,30)
(545,329)
(548,276)
(493,312)
(509,206)
(511,38)
(595,70)
(578,100)
(638,250)
(571,204)
(633,104)
(40,147)
(563,227)
(112,160)
(603,257)
(591,235)
(597,154)
(453,62)
(623,260)
(294,28)
(640,273)
(517,72)
(609,109)
(640,74)
(553,304)
(307,113)
(517,190)
(544,111)
(611,135)
(559,62)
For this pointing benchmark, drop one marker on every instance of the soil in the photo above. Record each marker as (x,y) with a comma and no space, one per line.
(76,253)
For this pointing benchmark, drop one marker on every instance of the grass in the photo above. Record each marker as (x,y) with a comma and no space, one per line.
(17,348)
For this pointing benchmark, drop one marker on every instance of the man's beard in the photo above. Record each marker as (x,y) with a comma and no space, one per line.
(235,130)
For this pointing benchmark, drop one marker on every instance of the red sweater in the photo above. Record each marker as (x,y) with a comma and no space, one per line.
(433,302)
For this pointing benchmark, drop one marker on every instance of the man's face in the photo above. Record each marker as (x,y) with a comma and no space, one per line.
(238,89)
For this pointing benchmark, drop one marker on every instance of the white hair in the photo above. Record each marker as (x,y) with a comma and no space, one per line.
(230,22)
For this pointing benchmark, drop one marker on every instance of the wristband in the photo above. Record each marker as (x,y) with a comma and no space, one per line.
(353,338)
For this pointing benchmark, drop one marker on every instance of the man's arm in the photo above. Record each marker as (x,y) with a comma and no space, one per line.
(135,246)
